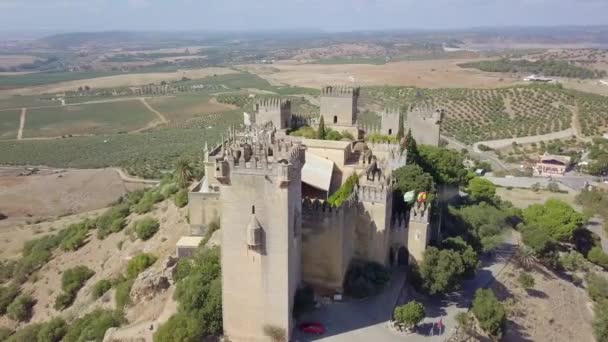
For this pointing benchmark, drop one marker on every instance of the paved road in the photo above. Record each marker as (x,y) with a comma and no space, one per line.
(368,320)
(496,163)
(567,133)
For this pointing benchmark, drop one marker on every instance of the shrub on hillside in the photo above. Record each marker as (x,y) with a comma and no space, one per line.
(5,333)
(182,269)
(109,222)
(123,293)
(597,287)
(597,256)
(21,308)
(52,331)
(526,280)
(600,323)
(93,326)
(139,264)
(7,295)
(146,228)
(27,334)
(181,198)
(181,327)
(489,311)
(72,281)
(101,287)
(573,261)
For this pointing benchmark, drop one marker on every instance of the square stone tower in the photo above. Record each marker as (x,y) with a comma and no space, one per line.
(390,122)
(339,105)
(425,123)
(261,229)
(419,232)
(273,110)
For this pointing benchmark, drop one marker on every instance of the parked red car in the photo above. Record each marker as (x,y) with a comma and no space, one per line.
(314,328)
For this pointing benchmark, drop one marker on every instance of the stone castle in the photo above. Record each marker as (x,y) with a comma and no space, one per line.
(269,191)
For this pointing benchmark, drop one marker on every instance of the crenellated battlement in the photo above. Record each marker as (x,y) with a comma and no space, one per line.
(374,193)
(427,111)
(420,213)
(399,221)
(273,103)
(317,209)
(340,91)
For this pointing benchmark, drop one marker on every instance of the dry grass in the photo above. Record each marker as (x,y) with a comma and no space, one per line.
(553,310)
(427,74)
(8,61)
(522,198)
(119,81)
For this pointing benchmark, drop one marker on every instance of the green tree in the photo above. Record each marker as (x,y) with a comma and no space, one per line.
(441,270)
(400,129)
(413,155)
(445,165)
(409,314)
(321,134)
(481,189)
(489,311)
(538,240)
(183,173)
(93,326)
(413,178)
(556,217)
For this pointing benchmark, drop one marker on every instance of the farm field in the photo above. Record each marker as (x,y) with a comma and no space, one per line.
(41,83)
(488,114)
(18,102)
(100,118)
(9,124)
(141,154)
(183,107)
(7,61)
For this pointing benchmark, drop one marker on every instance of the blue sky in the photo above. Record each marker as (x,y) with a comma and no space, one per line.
(342,15)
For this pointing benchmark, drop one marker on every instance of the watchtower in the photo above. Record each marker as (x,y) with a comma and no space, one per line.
(419,232)
(425,123)
(260,181)
(390,122)
(339,105)
(273,110)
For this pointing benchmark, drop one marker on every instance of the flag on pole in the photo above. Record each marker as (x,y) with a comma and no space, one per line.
(422,197)
(409,196)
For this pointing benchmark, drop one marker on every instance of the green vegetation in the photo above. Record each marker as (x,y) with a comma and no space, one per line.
(76,234)
(344,192)
(489,311)
(112,220)
(543,67)
(52,331)
(181,198)
(123,293)
(72,281)
(183,173)
(556,217)
(139,264)
(598,256)
(594,203)
(598,153)
(21,308)
(352,60)
(200,301)
(324,133)
(99,118)
(365,279)
(9,124)
(413,178)
(526,280)
(410,314)
(146,228)
(101,287)
(481,189)
(42,78)
(7,295)
(380,138)
(93,326)
(441,270)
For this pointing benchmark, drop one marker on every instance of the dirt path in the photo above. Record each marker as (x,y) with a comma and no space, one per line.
(21,123)
(160,115)
(495,144)
(123,99)
(130,179)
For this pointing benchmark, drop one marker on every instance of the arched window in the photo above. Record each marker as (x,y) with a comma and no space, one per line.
(335,119)
(390,131)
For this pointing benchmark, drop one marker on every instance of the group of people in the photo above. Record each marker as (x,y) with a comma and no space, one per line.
(437,328)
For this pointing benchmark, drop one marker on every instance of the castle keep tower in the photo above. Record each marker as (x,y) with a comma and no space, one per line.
(390,122)
(339,105)
(273,110)
(261,228)
(425,123)
(419,232)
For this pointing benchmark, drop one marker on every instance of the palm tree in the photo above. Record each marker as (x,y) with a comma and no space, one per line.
(525,257)
(183,173)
